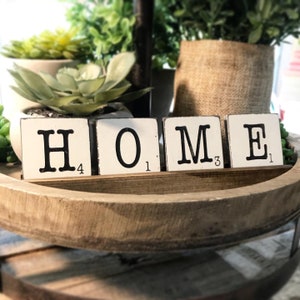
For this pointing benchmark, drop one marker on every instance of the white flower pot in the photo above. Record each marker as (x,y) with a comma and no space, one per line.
(15,132)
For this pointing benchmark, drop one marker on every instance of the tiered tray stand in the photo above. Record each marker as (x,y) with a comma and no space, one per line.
(169,235)
(180,235)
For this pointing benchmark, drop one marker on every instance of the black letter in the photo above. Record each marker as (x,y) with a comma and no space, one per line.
(48,149)
(138,148)
(184,133)
(253,140)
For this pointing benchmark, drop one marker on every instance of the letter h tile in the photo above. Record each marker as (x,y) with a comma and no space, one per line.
(55,147)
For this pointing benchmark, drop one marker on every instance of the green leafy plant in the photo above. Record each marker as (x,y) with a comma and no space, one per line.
(289,154)
(166,34)
(6,152)
(59,44)
(266,22)
(108,25)
(79,91)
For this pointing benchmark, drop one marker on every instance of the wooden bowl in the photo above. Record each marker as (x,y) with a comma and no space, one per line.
(151,212)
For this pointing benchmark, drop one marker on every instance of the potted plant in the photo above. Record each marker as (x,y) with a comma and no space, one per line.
(226,57)
(87,90)
(47,51)
(109,25)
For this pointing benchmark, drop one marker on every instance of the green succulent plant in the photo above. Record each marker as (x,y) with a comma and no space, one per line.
(58,44)
(289,153)
(79,91)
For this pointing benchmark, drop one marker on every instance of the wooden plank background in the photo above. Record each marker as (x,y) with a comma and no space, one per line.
(58,273)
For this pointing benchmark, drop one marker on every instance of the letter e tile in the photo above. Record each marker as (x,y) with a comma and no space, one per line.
(254,140)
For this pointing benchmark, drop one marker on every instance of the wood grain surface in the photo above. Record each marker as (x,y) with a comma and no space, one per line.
(158,212)
(12,244)
(253,270)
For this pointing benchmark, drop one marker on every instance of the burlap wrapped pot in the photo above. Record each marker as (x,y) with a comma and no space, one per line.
(216,77)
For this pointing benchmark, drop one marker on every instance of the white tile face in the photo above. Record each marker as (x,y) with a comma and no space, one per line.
(193,143)
(254,140)
(54,147)
(128,146)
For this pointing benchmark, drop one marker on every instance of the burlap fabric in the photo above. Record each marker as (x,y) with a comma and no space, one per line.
(223,77)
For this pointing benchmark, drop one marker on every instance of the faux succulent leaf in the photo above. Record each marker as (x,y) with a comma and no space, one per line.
(113,93)
(58,102)
(85,100)
(66,94)
(81,109)
(88,87)
(118,68)
(24,93)
(58,110)
(69,71)
(67,81)
(52,82)
(89,71)
(36,83)
(20,82)
(128,97)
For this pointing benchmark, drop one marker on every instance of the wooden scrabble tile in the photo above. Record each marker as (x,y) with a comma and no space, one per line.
(193,143)
(128,145)
(254,140)
(55,147)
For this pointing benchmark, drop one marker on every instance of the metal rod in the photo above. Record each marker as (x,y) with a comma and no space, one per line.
(295,244)
(141,74)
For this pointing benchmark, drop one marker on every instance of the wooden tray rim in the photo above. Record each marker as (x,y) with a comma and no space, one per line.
(154,222)
(292,176)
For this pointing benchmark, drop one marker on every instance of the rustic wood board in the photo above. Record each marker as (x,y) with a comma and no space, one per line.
(12,244)
(253,270)
(168,182)
(157,212)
